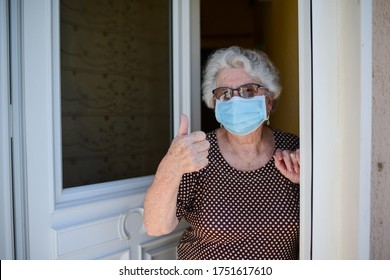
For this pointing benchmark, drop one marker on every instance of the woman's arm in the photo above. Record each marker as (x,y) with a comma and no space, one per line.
(160,200)
(187,153)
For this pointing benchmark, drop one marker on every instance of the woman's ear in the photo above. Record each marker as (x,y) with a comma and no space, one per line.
(269,102)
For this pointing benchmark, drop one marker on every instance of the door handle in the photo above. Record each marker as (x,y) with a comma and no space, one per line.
(132,222)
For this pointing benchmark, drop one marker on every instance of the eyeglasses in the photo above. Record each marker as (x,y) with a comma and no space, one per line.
(245,91)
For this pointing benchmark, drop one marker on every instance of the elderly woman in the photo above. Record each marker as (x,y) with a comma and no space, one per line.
(237,186)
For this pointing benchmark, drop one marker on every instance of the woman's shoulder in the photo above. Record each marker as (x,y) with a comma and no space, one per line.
(285,140)
(211,135)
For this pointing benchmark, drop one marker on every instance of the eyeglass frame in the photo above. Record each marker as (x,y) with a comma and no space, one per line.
(239,91)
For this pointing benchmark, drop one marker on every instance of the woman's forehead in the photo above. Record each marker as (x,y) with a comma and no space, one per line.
(233,77)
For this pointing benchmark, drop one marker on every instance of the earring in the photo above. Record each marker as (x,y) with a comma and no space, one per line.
(268,121)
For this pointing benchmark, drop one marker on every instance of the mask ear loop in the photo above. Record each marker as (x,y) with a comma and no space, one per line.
(268,115)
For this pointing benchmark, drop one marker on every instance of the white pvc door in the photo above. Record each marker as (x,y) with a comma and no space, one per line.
(101,220)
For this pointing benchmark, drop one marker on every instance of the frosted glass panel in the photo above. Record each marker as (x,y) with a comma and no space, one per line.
(115,88)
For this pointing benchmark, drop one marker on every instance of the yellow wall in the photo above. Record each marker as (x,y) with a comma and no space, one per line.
(269,25)
(282,48)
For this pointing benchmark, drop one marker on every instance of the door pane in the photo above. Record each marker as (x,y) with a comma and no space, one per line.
(115,88)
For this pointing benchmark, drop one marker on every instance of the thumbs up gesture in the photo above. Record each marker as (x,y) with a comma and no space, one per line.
(188,151)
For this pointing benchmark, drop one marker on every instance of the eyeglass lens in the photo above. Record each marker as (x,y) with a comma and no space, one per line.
(245,91)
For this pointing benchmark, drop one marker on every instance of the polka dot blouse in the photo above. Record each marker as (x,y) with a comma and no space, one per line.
(237,214)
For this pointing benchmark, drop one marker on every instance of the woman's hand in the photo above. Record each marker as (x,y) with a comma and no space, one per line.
(288,163)
(188,152)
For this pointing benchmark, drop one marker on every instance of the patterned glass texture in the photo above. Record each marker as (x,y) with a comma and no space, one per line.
(115,88)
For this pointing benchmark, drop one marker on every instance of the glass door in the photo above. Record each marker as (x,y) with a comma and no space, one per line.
(115,89)
(104,83)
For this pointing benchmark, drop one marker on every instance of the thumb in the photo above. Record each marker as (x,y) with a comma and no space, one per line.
(183,126)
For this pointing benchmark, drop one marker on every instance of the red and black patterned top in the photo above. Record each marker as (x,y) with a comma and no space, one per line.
(237,214)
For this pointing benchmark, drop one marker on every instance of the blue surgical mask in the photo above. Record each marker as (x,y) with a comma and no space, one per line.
(241,115)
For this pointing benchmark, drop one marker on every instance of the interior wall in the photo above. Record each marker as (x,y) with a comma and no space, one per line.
(380,187)
(282,47)
(269,25)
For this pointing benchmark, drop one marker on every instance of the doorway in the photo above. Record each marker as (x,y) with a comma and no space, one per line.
(270,26)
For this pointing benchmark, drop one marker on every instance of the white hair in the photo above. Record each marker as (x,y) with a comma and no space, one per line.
(255,63)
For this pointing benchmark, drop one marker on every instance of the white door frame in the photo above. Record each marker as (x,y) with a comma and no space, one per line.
(6,205)
(342,92)
(305,124)
(365,149)
(186,61)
